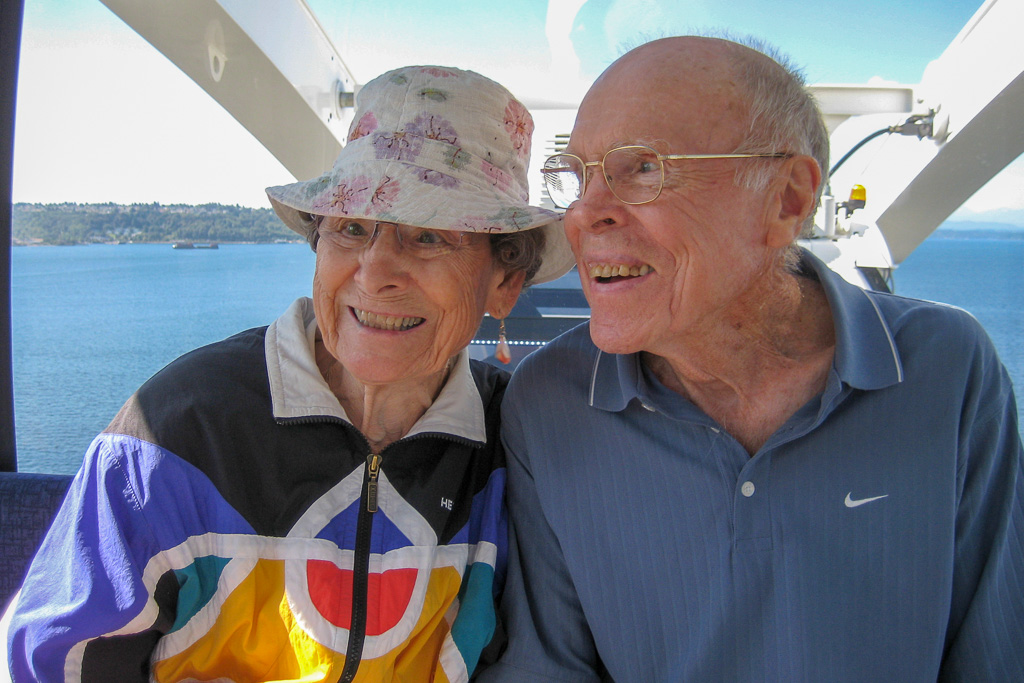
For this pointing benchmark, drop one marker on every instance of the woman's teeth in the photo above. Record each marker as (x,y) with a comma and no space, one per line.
(606,270)
(386,322)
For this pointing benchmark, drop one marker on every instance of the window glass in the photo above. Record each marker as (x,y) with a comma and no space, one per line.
(105,120)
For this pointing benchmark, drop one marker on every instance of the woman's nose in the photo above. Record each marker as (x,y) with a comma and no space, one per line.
(383,262)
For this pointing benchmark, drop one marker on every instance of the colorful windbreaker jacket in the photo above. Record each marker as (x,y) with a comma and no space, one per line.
(232,525)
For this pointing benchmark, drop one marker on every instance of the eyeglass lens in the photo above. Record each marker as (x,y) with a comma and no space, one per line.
(423,242)
(634,174)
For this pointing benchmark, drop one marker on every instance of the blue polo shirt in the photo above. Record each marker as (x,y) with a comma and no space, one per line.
(878,535)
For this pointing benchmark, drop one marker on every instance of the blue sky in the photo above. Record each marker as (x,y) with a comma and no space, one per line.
(103,117)
(835,41)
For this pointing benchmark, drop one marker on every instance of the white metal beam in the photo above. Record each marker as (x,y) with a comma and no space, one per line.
(977,88)
(839,102)
(971,157)
(267,62)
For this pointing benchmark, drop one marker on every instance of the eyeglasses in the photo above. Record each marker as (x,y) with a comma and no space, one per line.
(635,174)
(355,234)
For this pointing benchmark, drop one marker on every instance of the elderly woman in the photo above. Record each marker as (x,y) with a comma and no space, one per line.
(320,499)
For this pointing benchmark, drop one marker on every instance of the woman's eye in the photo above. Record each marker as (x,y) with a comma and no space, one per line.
(429,237)
(353,229)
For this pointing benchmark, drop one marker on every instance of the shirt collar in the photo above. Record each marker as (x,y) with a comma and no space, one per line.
(298,390)
(866,355)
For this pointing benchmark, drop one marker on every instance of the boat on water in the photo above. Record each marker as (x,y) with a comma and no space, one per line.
(195,245)
(291,89)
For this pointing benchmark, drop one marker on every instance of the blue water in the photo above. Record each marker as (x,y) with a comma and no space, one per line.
(92,323)
(983,276)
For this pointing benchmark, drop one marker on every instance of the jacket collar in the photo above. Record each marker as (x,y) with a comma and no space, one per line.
(298,390)
(866,356)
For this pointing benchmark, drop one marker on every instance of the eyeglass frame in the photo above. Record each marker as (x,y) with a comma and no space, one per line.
(423,254)
(662,158)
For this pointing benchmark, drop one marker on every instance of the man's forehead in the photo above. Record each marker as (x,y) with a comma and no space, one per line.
(661,113)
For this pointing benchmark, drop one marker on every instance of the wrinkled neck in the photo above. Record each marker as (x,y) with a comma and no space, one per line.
(754,368)
(384,413)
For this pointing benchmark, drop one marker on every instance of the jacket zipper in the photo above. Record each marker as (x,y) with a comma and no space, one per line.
(364,524)
(361,569)
(372,472)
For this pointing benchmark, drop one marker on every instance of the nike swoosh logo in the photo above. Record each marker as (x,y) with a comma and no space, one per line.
(851,503)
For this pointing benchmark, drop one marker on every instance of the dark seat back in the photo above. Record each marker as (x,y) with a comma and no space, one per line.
(28,503)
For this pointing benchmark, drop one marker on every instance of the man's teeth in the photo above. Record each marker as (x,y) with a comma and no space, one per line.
(386,322)
(606,270)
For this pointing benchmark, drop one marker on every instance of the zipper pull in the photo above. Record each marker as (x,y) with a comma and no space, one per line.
(373,470)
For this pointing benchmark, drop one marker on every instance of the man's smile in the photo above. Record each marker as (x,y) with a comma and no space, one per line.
(604,272)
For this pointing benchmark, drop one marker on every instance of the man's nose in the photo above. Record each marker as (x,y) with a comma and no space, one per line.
(597,208)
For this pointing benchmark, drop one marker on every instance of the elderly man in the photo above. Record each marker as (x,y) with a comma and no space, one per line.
(745,468)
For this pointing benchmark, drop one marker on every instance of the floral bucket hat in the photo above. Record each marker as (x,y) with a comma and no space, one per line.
(434,147)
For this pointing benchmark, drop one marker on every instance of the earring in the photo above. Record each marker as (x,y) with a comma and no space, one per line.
(503,352)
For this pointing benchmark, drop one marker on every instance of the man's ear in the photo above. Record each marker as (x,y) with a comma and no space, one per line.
(503,297)
(793,193)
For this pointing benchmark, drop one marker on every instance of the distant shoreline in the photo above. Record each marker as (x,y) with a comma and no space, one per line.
(955,233)
(71,224)
(74,224)
(978,234)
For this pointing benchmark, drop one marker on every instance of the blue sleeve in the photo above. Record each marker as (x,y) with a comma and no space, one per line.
(86,581)
(985,640)
(549,639)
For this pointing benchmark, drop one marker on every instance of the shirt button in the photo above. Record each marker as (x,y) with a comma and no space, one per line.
(747,489)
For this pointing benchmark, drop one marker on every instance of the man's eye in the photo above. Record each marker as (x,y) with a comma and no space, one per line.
(647,167)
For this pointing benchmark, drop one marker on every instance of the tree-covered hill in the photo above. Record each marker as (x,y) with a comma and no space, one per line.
(94,223)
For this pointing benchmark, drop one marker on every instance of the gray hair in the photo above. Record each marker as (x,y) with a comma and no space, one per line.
(783,117)
(313,221)
(512,250)
(516,251)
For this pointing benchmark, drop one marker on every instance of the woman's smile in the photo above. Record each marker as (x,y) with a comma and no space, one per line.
(380,321)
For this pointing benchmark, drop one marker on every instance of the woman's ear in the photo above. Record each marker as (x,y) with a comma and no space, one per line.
(503,297)
(792,200)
